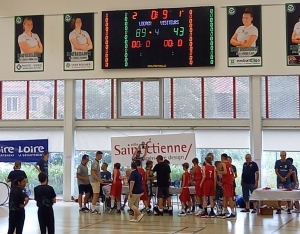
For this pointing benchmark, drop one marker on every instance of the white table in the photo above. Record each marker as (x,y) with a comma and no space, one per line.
(275,195)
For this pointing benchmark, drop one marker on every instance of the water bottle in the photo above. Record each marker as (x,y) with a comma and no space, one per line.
(97,206)
(281,186)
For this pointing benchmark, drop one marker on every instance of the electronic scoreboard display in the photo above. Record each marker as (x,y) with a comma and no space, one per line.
(158,38)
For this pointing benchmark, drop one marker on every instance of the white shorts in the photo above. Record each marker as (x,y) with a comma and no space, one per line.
(96,187)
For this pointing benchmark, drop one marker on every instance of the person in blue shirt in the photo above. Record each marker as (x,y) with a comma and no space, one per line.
(42,165)
(295,185)
(283,170)
(105,174)
(16,173)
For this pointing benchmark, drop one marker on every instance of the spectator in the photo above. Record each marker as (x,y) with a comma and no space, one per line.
(249,182)
(17,172)
(42,165)
(95,181)
(295,184)
(105,174)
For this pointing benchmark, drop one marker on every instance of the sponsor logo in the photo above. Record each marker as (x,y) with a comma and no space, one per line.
(231,10)
(19,20)
(232,61)
(68,18)
(19,66)
(290,8)
(68,65)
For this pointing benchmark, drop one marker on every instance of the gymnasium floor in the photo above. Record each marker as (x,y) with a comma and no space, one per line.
(70,221)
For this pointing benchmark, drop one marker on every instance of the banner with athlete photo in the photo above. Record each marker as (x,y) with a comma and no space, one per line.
(29,43)
(78,41)
(244,40)
(293,33)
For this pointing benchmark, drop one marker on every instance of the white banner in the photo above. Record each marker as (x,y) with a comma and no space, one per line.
(177,148)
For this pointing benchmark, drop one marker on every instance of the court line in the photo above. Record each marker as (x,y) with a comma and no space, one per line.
(198,230)
(102,221)
(283,225)
(180,230)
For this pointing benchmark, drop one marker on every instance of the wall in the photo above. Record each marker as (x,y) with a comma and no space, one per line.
(273,23)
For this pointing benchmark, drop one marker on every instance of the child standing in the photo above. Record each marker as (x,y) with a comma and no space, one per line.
(185,197)
(219,189)
(17,201)
(45,198)
(116,188)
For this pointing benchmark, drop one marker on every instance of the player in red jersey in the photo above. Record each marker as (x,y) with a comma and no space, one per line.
(185,196)
(227,183)
(144,197)
(208,184)
(197,173)
(116,188)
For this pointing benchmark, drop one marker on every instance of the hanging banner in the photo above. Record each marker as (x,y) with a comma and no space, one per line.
(177,148)
(293,33)
(23,150)
(244,40)
(78,41)
(29,39)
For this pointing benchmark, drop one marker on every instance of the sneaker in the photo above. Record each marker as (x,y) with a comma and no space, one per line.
(212,214)
(131,212)
(166,211)
(110,210)
(289,211)
(182,214)
(245,210)
(118,211)
(278,211)
(296,211)
(170,212)
(82,210)
(200,211)
(193,209)
(254,211)
(204,215)
(133,220)
(140,217)
(149,212)
(86,209)
(94,212)
(231,216)
(122,207)
(222,216)
(189,213)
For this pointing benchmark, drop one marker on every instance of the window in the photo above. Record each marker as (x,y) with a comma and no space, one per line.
(282,100)
(139,98)
(12,104)
(33,103)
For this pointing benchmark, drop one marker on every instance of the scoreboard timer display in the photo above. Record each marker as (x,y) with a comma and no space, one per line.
(158,38)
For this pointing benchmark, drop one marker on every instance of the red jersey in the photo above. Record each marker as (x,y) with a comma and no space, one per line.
(186,181)
(143,173)
(198,174)
(119,178)
(209,172)
(228,178)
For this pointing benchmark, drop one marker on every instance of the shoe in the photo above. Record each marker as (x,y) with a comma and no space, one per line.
(278,211)
(254,211)
(193,209)
(166,211)
(140,217)
(110,210)
(212,214)
(289,211)
(86,209)
(133,220)
(296,211)
(189,213)
(231,216)
(204,215)
(149,212)
(182,214)
(170,212)
(131,213)
(118,211)
(200,211)
(94,212)
(245,210)
(122,207)
(222,216)
(83,210)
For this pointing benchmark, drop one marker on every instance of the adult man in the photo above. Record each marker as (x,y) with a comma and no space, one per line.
(227,183)
(283,170)
(249,182)
(95,181)
(83,182)
(295,185)
(17,172)
(163,172)
(42,165)
(137,154)
(105,174)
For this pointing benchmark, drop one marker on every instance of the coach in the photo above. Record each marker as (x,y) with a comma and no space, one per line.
(250,177)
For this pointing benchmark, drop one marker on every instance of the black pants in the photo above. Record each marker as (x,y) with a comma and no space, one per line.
(16,221)
(46,220)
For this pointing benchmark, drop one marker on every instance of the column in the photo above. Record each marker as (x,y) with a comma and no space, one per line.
(69,140)
(256,146)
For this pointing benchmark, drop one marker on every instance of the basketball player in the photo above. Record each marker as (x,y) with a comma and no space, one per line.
(208,184)
(144,197)
(185,196)
(227,183)
(116,188)
(197,172)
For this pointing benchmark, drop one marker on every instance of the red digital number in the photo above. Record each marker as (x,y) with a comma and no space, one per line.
(134,15)
(154,15)
(148,43)
(136,44)
(180,42)
(168,43)
(165,14)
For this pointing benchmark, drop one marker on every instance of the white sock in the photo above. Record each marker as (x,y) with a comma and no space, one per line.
(118,205)
(112,203)
(161,210)
(93,207)
(183,210)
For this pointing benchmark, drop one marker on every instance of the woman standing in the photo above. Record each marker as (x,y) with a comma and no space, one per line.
(135,192)
(17,201)
(116,188)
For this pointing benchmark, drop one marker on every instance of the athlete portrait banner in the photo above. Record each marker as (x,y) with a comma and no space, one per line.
(78,41)
(244,40)
(177,148)
(29,43)
(293,33)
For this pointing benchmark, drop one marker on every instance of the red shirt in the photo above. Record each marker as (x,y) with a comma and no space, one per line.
(119,178)
(198,174)
(228,178)
(209,172)
(186,181)
(143,173)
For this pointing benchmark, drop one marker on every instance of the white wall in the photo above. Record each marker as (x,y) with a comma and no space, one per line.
(273,34)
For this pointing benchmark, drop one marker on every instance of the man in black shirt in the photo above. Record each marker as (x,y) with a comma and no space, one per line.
(17,172)
(42,165)
(163,172)
(45,198)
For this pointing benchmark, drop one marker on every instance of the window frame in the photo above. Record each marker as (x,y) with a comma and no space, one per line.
(119,98)
(30,103)
(11,103)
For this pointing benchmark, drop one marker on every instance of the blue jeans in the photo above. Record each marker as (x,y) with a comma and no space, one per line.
(285,185)
(246,188)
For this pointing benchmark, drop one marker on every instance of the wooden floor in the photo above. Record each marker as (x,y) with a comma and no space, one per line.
(69,220)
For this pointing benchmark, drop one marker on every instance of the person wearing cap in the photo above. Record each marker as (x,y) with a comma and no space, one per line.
(17,172)
(137,154)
